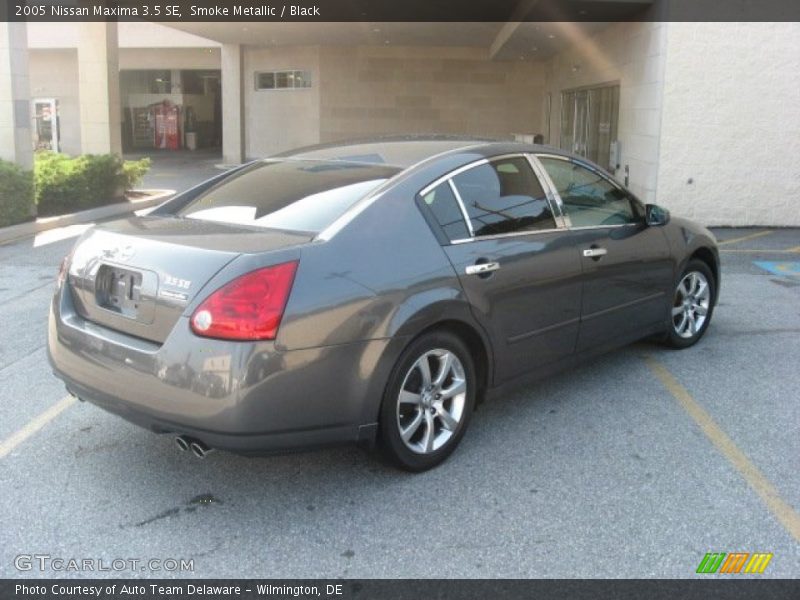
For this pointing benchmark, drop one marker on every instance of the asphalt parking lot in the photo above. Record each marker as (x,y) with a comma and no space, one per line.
(635,465)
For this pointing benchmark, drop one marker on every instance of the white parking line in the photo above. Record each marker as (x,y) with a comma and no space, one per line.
(34,425)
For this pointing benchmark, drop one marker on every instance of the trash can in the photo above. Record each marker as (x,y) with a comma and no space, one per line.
(191,140)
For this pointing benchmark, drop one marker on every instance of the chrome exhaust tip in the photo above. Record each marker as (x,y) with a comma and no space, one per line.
(199,449)
(182,442)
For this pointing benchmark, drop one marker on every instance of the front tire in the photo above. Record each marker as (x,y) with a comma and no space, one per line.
(692,305)
(428,402)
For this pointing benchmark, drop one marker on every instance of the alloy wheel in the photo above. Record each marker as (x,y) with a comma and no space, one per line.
(691,304)
(430,405)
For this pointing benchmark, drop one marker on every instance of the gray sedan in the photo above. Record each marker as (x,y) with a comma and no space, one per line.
(371,291)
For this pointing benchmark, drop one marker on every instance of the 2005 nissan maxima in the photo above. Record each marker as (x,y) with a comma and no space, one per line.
(369,291)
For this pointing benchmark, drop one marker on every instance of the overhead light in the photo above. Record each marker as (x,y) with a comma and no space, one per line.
(551,35)
(534,49)
(385,41)
(376,30)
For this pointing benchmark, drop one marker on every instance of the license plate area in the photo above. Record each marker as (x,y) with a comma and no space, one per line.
(125,292)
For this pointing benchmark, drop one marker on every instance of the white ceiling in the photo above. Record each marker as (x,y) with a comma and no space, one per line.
(523,41)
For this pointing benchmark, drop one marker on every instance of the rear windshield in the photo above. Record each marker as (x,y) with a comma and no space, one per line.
(289,195)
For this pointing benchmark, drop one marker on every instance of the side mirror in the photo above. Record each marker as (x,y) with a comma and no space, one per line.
(655,215)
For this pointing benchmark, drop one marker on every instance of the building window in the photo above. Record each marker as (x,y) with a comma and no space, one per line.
(283,80)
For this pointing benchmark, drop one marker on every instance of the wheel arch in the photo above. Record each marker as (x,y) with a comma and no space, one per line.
(707,256)
(454,317)
(476,344)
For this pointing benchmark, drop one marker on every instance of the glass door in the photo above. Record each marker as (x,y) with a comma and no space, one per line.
(45,124)
(589,119)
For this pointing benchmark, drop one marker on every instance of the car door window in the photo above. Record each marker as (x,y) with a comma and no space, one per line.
(504,196)
(444,207)
(589,199)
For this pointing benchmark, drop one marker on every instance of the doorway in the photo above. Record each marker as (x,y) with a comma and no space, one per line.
(46,127)
(589,120)
(171,109)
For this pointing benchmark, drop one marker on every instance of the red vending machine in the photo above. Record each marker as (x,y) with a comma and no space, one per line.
(167,129)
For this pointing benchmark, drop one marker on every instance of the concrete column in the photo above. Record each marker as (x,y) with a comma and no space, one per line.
(232,65)
(176,82)
(98,88)
(16,142)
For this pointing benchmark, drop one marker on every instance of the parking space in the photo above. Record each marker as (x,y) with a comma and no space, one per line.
(604,471)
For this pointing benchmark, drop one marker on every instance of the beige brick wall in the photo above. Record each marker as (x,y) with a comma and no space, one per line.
(169,58)
(731,123)
(632,55)
(277,120)
(54,74)
(390,90)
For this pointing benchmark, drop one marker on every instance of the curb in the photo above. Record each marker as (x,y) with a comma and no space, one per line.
(23,230)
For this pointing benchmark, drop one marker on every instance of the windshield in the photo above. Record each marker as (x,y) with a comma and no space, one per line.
(289,195)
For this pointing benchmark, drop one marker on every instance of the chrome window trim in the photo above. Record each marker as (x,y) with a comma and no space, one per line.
(498,236)
(452,174)
(614,226)
(567,220)
(461,207)
(467,167)
(361,205)
(583,164)
(560,226)
(562,219)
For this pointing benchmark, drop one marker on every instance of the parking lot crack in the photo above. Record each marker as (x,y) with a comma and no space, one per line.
(162,515)
(199,501)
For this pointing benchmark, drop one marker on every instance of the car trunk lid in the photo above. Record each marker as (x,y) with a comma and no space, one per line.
(137,275)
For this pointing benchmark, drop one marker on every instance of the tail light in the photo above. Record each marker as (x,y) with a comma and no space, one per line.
(248,308)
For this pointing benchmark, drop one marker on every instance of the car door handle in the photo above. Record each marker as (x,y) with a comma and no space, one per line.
(481,268)
(595,252)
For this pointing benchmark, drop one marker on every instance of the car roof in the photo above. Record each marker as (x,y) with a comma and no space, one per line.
(405,151)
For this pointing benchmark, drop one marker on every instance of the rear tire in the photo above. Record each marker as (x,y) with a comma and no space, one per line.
(428,402)
(692,305)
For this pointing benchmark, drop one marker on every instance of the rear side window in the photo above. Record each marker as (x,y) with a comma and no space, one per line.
(290,195)
(504,196)
(443,205)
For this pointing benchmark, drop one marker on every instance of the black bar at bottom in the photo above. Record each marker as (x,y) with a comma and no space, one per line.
(702,588)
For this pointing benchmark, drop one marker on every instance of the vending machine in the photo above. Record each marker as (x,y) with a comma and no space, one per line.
(167,131)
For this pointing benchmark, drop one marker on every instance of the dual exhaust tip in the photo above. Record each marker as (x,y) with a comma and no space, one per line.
(198,448)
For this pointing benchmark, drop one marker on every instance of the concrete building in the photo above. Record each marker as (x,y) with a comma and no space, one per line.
(703,118)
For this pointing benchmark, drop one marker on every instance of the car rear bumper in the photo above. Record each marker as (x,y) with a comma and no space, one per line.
(248,398)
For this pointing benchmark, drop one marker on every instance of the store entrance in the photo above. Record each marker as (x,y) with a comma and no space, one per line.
(171,109)
(589,120)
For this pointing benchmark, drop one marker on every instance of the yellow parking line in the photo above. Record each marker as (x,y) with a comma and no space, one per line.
(781,509)
(756,251)
(34,425)
(752,236)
